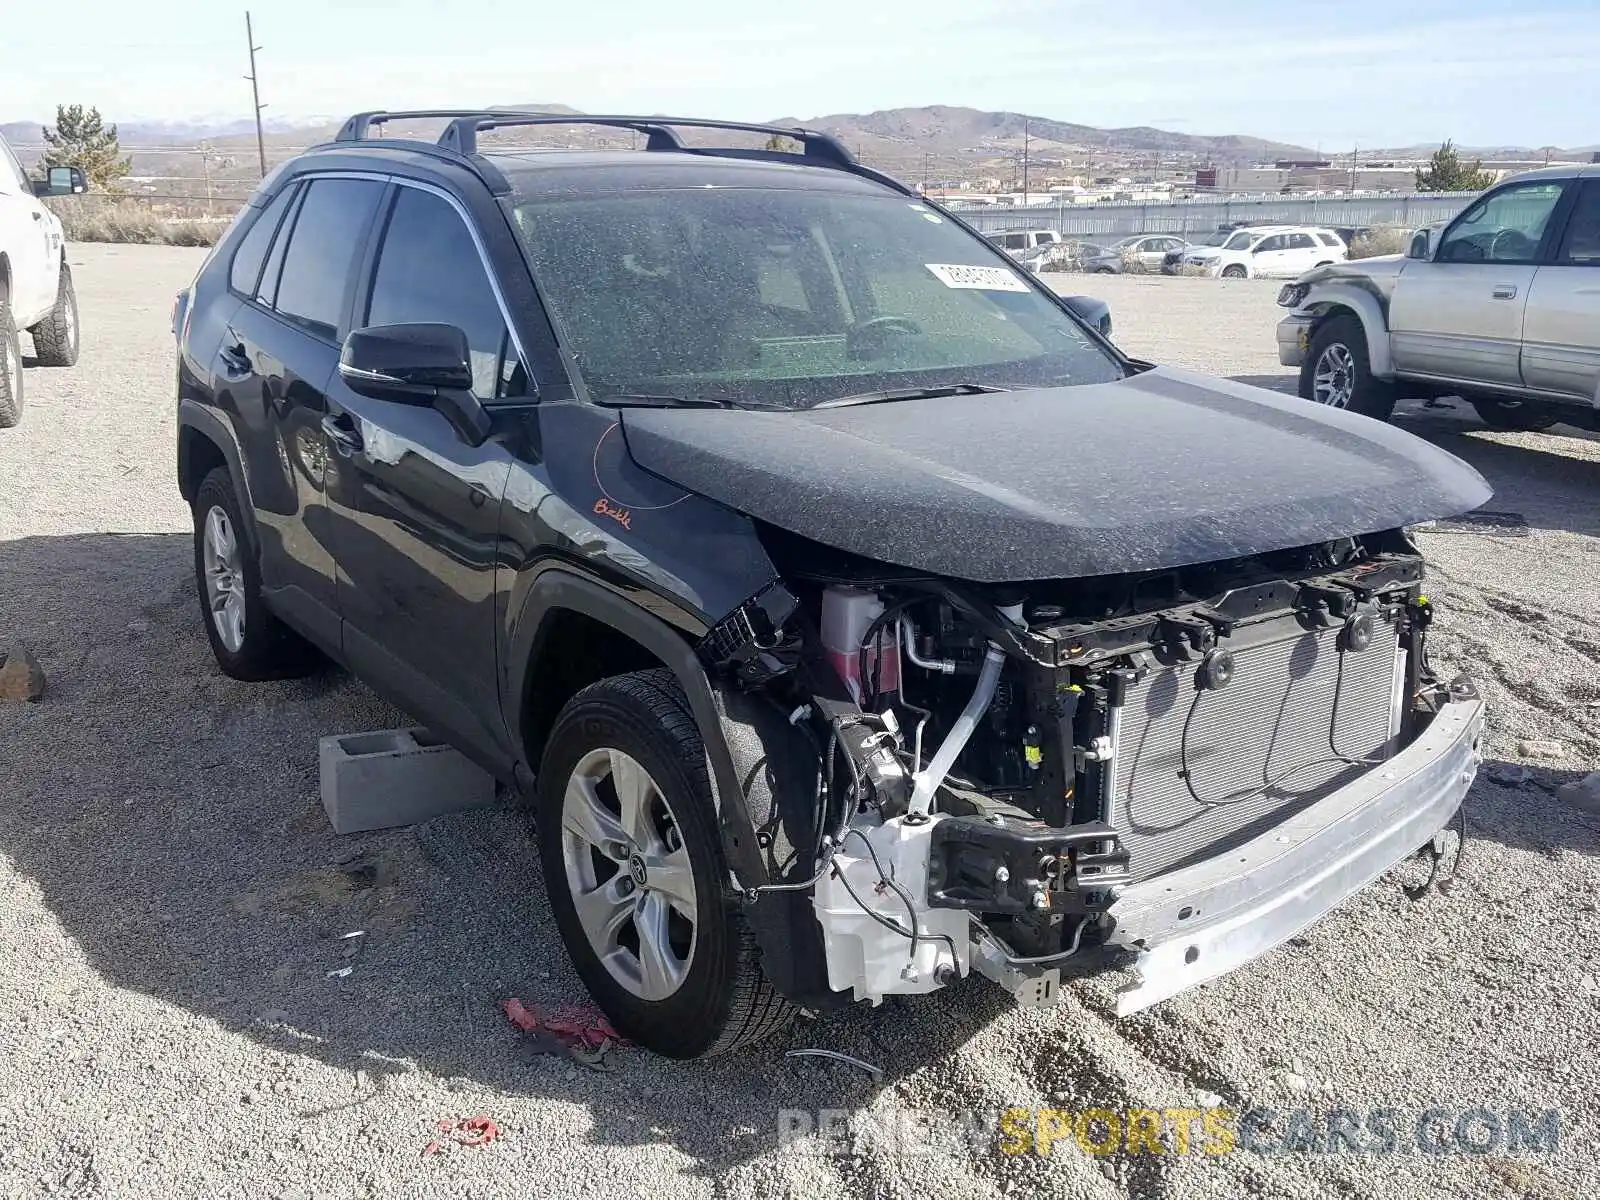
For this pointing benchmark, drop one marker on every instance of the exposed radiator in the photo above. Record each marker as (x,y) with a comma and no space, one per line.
(1256,751)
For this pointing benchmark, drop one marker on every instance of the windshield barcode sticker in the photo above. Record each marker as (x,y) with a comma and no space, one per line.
(984,279)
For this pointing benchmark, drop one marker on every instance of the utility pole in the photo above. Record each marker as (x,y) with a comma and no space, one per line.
(255,93)
(1024,161)
(924,172)
(1356,150)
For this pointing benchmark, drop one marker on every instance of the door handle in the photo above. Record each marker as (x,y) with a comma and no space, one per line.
(234,357)
(342,432)
(1504,291)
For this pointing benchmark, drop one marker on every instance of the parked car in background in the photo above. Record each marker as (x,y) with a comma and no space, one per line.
(35,281)
(1140,252)
(1502,307)
(1034,248)
(1269,251)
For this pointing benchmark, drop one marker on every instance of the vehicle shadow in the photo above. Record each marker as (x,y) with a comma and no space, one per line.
(170,819)
(1525,808)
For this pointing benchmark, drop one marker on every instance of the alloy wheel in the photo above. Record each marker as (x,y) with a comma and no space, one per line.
(629,874)
(224,574)
(1334,380)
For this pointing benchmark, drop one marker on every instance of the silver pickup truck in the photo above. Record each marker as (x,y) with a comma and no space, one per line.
(1502,307)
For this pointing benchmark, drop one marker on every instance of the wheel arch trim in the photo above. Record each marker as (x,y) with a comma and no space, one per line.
(194,420)
(559,589)
(1332,300)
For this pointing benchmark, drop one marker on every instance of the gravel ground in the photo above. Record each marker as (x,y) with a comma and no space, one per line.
(172,901)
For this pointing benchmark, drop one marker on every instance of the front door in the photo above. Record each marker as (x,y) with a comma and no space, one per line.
(1561,329)
(1459,316)
(416,510)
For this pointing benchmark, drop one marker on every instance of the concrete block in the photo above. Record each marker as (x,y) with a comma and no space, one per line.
(395,777)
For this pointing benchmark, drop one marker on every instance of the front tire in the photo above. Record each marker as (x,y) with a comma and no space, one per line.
(1528,416)
(1235,271)
(249,642)
(1338,372)
(10,370)
(55,339)
(635,872)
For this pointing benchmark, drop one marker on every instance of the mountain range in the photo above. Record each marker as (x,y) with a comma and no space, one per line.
(905,140)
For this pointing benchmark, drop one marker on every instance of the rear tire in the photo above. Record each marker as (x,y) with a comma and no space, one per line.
(1337,371)
(1234,272)
(10,370)
(1527,416)
(249,642)
(660,947)
(55,339)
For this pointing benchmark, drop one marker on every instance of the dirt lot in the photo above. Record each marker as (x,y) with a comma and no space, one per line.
(172,901)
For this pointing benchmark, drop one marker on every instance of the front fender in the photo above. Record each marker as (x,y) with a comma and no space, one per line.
(1327,298)
(557,589)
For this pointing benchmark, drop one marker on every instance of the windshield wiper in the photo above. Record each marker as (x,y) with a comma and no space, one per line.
(644,400)
(925,393)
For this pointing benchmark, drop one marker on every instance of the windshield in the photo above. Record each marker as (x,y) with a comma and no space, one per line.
(1242,240)
(1215,239)
(787,298)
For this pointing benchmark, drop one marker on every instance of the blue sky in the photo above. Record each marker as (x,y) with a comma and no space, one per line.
(1361,71)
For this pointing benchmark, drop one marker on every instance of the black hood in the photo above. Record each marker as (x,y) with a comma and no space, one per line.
(1162,469)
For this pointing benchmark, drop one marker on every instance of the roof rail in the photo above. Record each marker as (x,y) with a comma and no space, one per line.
(461,135)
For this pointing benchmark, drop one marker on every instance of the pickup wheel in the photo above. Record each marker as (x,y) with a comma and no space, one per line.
(55,339)
(248,641)
(1338,373)
(10,370)
(635,872)
(1525,415)
(1234,271)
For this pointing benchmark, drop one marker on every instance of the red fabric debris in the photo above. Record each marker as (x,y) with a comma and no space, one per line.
(520,1016)
(577,1026)
(463,1131)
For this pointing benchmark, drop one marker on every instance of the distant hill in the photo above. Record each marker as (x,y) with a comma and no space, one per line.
(943,130)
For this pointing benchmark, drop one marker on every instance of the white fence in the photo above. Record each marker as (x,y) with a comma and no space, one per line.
(1106,219)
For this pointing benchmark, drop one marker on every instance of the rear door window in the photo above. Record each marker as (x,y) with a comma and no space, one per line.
(1580,245)
(1327,239)
(251,255)
(327,237)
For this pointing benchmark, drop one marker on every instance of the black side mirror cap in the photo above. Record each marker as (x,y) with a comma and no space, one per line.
(407,363)
(424,364)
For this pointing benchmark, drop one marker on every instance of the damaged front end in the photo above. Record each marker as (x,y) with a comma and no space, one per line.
(1178,769)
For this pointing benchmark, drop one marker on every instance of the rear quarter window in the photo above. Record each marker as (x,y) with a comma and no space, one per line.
(245,272)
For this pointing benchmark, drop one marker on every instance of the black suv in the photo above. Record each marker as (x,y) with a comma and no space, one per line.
(855,616)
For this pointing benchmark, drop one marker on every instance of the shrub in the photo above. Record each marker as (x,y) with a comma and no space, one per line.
(1386,239)
(94,219)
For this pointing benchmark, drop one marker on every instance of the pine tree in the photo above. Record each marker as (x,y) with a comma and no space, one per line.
(1446,174)
(81,139)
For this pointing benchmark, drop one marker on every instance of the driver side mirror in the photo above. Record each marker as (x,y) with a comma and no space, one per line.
(422,364)
(1420,246)
(61,181)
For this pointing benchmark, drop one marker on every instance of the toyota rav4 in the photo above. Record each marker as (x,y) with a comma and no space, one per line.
(855,617)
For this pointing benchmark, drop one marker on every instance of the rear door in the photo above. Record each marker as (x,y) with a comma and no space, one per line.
(416,510)
(277,355)
(1459,316)
(1561,327)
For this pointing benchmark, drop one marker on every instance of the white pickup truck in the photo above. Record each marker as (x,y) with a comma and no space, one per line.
(35,281)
